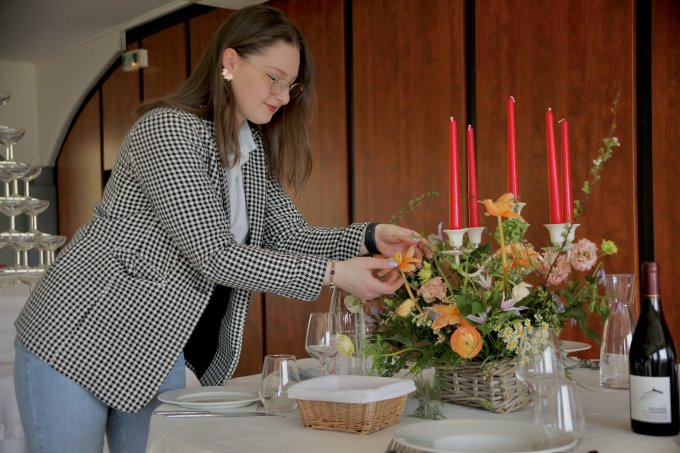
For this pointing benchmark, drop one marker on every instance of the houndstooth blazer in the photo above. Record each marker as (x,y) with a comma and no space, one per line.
(115,310)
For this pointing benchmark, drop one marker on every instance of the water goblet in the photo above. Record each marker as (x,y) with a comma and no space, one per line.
(279,372)
(320,339)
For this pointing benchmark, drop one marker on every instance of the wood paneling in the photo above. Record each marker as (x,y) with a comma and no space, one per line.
(409,78)
(120,98)
(568,56)
(666,166)
(167,55)
(201,31)
(325,199)
(79,170)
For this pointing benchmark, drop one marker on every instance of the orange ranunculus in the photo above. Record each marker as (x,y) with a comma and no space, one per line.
(466,341)
(406,262)
(520,255)
(448,316)
(503,207)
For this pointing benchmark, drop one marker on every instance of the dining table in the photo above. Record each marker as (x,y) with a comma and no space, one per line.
(606,412)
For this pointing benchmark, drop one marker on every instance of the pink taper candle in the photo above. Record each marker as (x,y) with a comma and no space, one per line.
(568,202)
(454,210)
(513,181)
(473,211)
(553,175)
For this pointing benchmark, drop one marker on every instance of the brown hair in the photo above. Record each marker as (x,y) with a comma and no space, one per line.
(249,31)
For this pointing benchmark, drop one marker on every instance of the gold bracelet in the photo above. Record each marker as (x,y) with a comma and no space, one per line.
(331,283)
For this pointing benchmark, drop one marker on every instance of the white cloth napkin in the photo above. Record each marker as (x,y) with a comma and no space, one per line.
(351,389)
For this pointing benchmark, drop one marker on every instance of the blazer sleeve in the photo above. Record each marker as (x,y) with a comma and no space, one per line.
(287,231)
(169,156)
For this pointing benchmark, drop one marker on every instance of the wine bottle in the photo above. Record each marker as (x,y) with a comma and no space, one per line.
(652,363)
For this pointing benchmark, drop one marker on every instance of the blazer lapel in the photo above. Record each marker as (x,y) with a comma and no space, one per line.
(255,187)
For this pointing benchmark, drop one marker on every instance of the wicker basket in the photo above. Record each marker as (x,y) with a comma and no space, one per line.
(492,386)
(351,417)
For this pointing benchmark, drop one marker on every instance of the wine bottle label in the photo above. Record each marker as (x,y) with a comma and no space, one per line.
(650,399)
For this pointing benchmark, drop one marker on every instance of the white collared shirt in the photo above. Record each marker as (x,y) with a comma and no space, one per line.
(237,197)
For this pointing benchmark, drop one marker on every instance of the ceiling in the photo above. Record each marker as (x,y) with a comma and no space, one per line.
(36,30)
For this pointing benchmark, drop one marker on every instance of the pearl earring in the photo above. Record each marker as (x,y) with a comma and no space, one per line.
(228,76)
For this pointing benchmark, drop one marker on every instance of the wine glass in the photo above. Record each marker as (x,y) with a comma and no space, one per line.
(320,339)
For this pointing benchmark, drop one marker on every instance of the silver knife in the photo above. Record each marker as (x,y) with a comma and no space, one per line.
(179,414)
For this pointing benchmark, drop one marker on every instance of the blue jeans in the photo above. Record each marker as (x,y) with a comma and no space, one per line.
(60,416)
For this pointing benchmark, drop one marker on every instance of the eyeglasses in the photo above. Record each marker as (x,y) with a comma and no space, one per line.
(278,85)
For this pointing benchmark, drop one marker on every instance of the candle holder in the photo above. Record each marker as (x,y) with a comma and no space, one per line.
(518,207)
(558,232)
(456,240)
(475,236)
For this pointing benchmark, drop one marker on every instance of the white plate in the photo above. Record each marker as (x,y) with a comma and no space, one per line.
(489,436)
(208,398)
(573,346)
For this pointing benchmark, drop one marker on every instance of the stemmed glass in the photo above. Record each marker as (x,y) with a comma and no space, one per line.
(8,137)
(320,340)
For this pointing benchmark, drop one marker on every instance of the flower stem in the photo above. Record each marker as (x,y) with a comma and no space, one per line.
(410,294)
(503,257)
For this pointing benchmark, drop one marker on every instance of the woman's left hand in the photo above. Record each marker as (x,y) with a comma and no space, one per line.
(391,239)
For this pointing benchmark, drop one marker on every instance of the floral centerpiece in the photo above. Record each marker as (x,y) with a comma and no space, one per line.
(468,308)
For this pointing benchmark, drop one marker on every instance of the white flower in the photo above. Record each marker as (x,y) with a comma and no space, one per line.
(521,291)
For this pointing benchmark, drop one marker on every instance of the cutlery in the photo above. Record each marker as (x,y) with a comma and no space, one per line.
(186,414)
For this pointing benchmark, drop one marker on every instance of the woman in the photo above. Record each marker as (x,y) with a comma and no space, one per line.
(192,220)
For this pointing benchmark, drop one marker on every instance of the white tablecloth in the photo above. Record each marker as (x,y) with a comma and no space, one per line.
(606,412)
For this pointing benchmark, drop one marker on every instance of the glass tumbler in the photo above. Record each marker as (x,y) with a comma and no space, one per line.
(279,372)
(618,331)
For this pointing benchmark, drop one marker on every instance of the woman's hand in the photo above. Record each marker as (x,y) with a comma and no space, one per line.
(356,276)
(391,239)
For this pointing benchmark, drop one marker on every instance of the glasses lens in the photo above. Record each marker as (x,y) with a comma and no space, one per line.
(295,90)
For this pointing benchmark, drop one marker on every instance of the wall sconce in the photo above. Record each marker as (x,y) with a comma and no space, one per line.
(135,59)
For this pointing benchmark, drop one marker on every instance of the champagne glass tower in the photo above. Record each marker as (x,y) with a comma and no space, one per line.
(16,200)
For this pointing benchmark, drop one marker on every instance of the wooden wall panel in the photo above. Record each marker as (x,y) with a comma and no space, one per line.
(79,170)
(120,98)
(409,78)
(574,57)
(665,139)
(167,62)
(325,199)
(201,31)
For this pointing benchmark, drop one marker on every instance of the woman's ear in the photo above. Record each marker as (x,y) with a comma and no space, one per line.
(229,58)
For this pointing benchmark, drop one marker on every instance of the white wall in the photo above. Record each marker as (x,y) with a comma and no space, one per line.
(46,96)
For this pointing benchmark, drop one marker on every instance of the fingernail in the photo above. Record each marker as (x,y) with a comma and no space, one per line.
(393,263)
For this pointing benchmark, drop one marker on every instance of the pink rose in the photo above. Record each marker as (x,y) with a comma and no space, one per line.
(432,290)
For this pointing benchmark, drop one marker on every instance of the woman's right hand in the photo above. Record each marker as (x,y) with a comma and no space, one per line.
(357,277)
